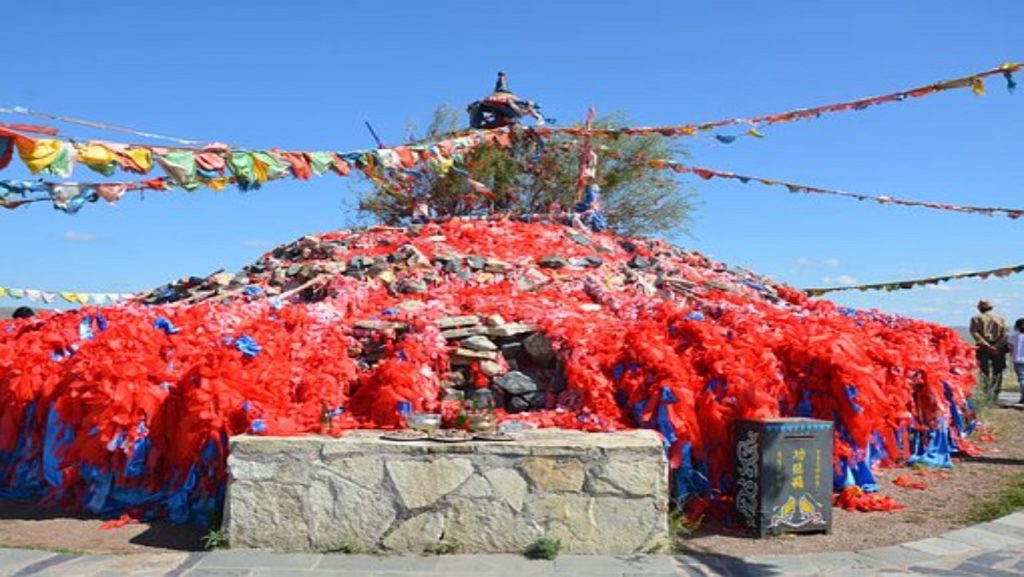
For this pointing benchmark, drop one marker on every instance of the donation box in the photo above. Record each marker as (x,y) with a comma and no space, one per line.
(784,475)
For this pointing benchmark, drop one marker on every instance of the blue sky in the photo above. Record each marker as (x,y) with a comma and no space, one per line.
(305,75)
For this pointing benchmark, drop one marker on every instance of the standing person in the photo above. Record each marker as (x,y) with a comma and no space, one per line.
(989,332)
(1016,344)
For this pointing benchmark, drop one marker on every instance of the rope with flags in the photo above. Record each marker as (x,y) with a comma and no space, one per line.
(1001,272)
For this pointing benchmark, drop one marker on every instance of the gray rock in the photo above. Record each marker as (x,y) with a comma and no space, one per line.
(365,471)
(375,326)
(444,475)
(419,533)
(476,262)
(490,368)
(599,525)
(639,262)
(412,286)
(378,270)
(476,486)
(260,510)
(449,264)
(528,402)
(553,261)
(550,474)
(340,514)
(445,323)
(452,334)
(453,379)
(479,343)
(510,330)
(512,350)
(579,238)
(594,261)
(494,265)
(538,346)
(509,485)
(488,526)
(636,478)
(516,383)
(467,356)
(359,263)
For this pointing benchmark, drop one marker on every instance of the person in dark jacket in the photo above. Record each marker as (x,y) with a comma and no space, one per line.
(989,332)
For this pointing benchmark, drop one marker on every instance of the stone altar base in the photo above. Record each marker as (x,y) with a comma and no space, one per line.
(598,492)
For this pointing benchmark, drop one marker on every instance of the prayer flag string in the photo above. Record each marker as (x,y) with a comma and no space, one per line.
(912,283)
(708,174)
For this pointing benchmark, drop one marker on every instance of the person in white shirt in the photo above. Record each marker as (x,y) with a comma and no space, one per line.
(1016,343)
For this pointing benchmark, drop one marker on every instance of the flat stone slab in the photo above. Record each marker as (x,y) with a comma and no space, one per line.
(599,493)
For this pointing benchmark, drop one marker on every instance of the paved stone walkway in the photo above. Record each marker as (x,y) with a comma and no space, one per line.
(992,549)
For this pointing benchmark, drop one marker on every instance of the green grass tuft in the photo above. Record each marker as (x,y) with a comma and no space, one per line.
(1009,500)
(544,548)
(215,539)
(445,548)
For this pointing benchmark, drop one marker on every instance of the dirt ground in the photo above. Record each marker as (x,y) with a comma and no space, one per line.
(940,508)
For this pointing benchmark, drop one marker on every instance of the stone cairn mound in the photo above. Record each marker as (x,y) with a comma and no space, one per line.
(127,409)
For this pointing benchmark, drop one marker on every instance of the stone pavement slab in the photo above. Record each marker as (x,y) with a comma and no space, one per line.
(251,559)
(984,539)
(78,565)
(13,560)
(797,566)
(613,566)
(941,547)
(44,564)
(994,549)
(899,556)
(1014,520)
(846,563)
(219,572)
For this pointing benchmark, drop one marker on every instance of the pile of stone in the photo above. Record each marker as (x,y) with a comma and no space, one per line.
(317,267)
(514,359)
(611,332)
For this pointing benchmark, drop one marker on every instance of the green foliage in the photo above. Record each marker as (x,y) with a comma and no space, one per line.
(679,526)
(215,539)
(544,548)
(445,548)
(1009,500)
(529,176)
(349,548)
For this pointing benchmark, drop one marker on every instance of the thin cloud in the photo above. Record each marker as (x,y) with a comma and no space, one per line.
(76,236)
(943,288)
(831,261)
(846,280)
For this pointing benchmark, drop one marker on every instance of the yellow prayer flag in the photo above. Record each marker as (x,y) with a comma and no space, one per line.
(217,183)
(95,154)
(142,157)
(38,154)
(70,297)
(978,86)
